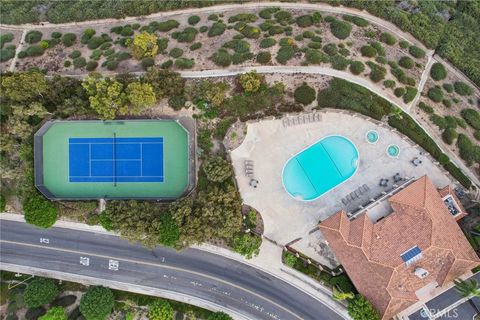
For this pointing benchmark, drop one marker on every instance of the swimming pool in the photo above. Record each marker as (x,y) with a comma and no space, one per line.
(320,168)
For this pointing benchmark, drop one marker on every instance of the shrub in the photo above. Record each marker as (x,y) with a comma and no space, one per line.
(264,57)
(168,25)
(416,52)
(267,42)
(244,17)
(217,169)
(284,54)
(97,303)
(447,103)
(388,38)
(406,62)
(439,121)
(340,29)
(203,29)
(187,35)
(40,291)
(177,102)
(222,58)
(356,20)
(389,84)
(74,54)
(67,63)
(368,51)
(55,313)
(217,29)
(399,92)
(69,39)
(6,54)
(162,44)
(193,20)
(275,30)
(339,62)
(282,16)
(195,46)
(472,117)
(112,65)
(160,310)
(247,244)
(267,13)
(462,88)
(176,53)
(91,65)
(56,35)
(314,56)
(184,63)
(304,21)
(167,64)
(147,62)
(79,62)
(448,87)
(468,151)
(34,51)
(213,17)
(425,107)
(359,308)
(476,134)
(404,44)
(330,49)
(5,38)
(315,45)
(127,31)
(438,71)
(33,36)
(357,67)
(304,94)
(435,94)
(410,94)
(378,47)
(95,42)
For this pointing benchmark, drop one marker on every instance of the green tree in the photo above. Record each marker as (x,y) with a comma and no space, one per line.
(247,244)
(144,45)
(290,259)
(19,122)
(141,96)
(438,71)
(217,169)
(160,310)
(165,83)
(169,231)
(97,303)
(304,94)
(55,313)
(24,86)
(251,81)
(39,211)
(40,291)
(210,91)
(219,316)
(106,96)
(360,308)
(467,288)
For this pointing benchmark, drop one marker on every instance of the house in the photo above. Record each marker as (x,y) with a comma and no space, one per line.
(397,260)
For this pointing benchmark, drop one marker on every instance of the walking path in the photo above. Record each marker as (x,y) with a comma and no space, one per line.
(423,80)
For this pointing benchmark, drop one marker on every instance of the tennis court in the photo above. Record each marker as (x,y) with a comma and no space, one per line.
(134,159)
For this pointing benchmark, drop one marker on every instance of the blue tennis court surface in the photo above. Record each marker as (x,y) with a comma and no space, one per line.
(116,159)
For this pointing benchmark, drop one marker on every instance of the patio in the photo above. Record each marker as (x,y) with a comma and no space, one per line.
(270,143)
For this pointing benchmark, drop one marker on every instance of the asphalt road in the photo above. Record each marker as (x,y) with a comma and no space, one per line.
(195,273)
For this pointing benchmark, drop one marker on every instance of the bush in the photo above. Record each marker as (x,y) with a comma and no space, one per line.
(67,63)
(195,46)
(472,117)
(39,211)
(79,62)
(147,62)
(462,88)
(33,36)
(357,67)
(91,65)
(330,49)
(439,121)
(177,102)
(111,65)
(264,57)
(267,42)
(359,309)
(222,58)
(167,25)
(304,94)
(219,316)
(447,103)
(406,62)
(217,169)
(468,151)
(438,71)
(203,29)
(389,84)
(176,53)
(55,313)
(284,54)
(69,39)
(449,135)
(356,20)
(40,291)
(340,29)
(410,94)
(246,244)
(217,29)
(97,303)
(448,87)
(435,94)
(339,62)
(290,259)
(476,134)
(193,20)
(213,17)
(304,21)
(95,42)
(399,92)
(34,51)
(404,44)
(416,52)
(167,64)
(368,51)
(425,107)
(184,63)
(5,38)
(314,56)
(267,13)
(187,35)
(6,54)
(127,31)
(74,54)
(388,38)
(160,310)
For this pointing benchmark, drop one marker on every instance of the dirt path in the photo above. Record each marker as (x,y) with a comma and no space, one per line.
(423,80)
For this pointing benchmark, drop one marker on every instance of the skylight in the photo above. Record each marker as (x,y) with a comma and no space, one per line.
(412,255)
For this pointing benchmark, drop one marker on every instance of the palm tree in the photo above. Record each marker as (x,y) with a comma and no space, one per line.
(467,288)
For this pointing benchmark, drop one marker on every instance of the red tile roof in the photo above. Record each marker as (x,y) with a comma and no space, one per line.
(370,253)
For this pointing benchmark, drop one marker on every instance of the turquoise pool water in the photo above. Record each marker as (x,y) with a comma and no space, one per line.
(393,150)
(320,168)
(372,136)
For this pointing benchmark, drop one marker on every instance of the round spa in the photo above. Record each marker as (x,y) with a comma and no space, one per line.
(320,167)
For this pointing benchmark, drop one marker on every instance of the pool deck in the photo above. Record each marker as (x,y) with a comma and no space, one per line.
(270,143)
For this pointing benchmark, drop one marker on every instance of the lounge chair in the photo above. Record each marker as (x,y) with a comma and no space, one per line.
(344,201)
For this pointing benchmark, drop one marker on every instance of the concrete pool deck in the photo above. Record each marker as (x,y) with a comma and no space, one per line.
(270,143)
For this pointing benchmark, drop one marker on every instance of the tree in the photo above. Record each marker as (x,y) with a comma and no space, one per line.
(141,96)
(55,313)
(210,91)
(304,94)
(169,231)
(217,169)
(165,83)
(24,86)
(467,288)
(438,71)
(219,316)
(39,211)
(144,45)
(19,125)
(251,81)
(39,292)
(160,310)
(106,96)
(97,303)
(247,244)
(360,309)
